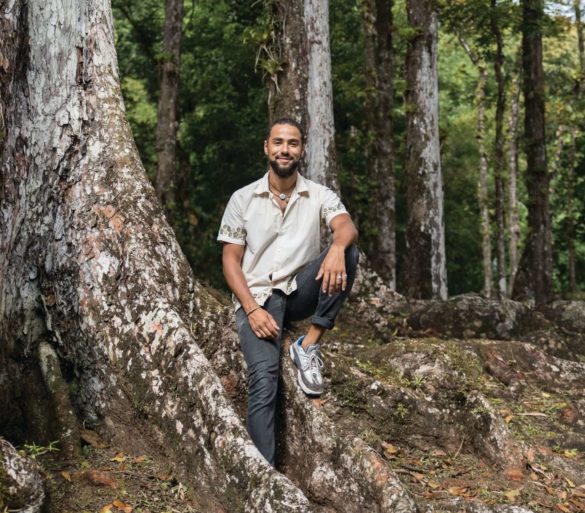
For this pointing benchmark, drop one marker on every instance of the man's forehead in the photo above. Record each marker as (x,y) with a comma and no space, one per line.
(285,131)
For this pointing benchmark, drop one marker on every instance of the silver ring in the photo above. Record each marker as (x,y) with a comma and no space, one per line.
(339,278)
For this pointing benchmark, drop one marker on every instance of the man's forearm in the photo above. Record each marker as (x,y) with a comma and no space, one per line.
(345,234)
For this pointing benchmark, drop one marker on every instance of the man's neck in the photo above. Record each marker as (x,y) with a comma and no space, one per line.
(282,184)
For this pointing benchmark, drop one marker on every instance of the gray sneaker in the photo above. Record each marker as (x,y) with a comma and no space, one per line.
(309,365)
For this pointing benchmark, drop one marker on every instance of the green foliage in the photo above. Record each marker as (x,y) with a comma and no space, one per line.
(228,53)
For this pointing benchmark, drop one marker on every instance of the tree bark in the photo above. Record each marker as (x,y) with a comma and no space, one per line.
(167,123)
(379,149)
(303,89)
(499,151)
(513,216)
(426,275)
(89,263)
(536,263)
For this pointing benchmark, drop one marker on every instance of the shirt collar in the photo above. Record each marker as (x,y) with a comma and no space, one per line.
(263,187)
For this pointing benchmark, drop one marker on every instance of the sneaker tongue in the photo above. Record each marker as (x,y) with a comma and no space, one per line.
(313,348)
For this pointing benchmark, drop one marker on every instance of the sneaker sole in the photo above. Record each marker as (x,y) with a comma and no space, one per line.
(304,387)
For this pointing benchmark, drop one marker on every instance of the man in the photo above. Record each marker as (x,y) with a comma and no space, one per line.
(271,232)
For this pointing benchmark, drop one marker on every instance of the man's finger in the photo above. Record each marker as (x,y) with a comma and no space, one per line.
(319,274)
(325,283)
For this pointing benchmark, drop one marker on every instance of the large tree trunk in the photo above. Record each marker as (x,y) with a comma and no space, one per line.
(166,128)
(89,263)
(303,89)
(379,150)
(426,275)
(534,278)
(499,151)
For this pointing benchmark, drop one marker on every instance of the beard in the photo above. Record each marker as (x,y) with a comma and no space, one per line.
(284,172)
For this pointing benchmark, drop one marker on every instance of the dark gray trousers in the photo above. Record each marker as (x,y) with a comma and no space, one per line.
(262,355)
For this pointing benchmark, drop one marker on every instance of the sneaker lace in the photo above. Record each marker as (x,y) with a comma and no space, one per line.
(315,361)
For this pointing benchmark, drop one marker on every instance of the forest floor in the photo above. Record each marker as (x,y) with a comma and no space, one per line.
(374,393)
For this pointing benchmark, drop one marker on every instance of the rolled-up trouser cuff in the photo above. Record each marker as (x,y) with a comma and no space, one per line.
(323,322)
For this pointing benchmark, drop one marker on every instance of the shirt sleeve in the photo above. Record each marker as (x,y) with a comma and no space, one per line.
(331,205)
(232,223)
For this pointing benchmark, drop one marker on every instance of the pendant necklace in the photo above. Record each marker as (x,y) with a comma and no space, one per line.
(280,194)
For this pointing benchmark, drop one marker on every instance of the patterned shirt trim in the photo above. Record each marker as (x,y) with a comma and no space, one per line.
(331,210)
(234,233)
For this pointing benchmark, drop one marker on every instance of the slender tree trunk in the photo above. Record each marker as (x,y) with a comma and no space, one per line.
(486,242)
(571,207)
(89,264)
(571,210)
(482,189)
(379,151)
(426,275)
(580,40)
(513,215)
(499,152)
(536,262)
(166,128)
(303,89)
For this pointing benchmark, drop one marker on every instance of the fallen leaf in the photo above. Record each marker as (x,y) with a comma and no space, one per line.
(140,459)
(92,438)
(389,448)
(530,455)
(438,453)
(514,474)
(66,475)
(562,494)
(570,483)
(508,418)
(434,485)
(418,476)
(562,507)
(571,453)
(578,504)
(456,490)
(533,476)
(99,478)
(107,508)
(126,508)
(119,458)
(512,495)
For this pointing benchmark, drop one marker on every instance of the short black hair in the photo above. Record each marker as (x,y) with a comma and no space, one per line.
(287,121)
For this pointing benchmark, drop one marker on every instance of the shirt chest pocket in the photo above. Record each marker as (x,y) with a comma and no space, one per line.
(261,227)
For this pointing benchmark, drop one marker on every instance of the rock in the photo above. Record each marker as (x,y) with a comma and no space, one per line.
(472,316)
(21,486)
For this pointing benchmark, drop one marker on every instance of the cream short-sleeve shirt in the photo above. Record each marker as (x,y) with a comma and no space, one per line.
(278,244)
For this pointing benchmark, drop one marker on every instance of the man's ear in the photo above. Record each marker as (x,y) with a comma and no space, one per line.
(265,147)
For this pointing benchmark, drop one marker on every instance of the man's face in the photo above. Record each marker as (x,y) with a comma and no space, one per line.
(284,149)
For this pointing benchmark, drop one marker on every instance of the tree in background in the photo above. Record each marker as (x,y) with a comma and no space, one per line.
(377,15)
(535,270)
(299,67)
(167,124)
(496,16)
(482,188)
(425,271)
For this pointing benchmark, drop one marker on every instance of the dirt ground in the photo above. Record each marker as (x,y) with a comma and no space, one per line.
(132,474)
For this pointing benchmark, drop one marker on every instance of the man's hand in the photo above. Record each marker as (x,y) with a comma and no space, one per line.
(332,270)
(263,324)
